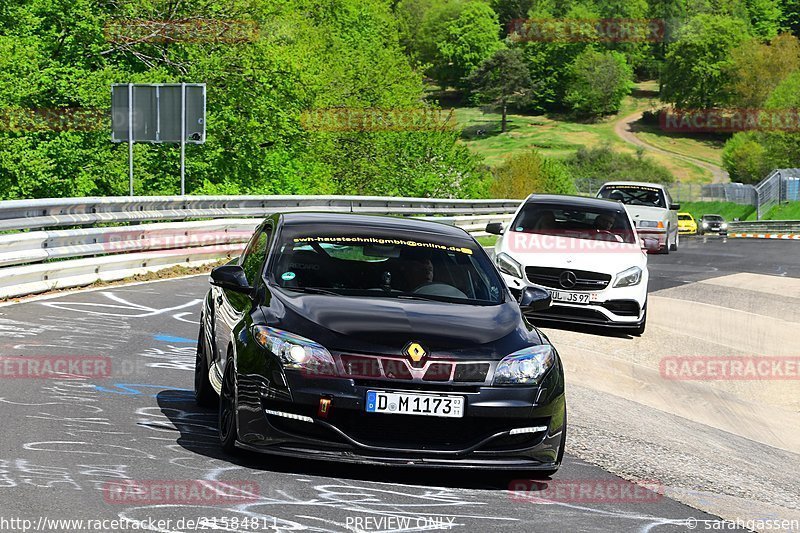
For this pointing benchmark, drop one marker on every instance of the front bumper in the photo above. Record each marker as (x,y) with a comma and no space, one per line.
(659,234)
(483,438)
(620,307)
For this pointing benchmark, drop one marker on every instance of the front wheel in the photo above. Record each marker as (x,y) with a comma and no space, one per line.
(204,395)
(676,243)
(638,331)
(561,447)
(227,411)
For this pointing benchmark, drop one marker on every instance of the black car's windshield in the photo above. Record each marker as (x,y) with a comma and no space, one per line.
(634,195)
(385,266)
(577,222)
(713,218)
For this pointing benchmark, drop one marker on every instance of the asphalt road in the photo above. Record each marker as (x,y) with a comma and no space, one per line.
(71,446)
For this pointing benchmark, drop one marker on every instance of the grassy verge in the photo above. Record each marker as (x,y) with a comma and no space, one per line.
(790,211)
(728,210)
(559,136)
(488,240)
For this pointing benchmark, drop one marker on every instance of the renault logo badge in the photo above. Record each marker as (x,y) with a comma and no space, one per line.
(415,352)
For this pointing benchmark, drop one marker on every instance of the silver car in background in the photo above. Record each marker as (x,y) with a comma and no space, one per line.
(651,208)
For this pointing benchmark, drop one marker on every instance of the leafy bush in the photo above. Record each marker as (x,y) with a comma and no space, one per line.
(604,164)
(530,172)
(597,83)
(745,158)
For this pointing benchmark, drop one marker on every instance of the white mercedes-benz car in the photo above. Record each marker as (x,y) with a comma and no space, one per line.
(585,251)
(652,210)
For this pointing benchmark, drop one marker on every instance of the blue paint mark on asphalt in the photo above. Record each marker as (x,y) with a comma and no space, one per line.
(170,338)
(134,389)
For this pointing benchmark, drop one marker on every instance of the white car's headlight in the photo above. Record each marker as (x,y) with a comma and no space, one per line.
(296,352)
(525,366)
(629,277)
(651,224)
(507,265)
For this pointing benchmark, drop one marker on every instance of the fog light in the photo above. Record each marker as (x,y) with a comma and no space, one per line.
(324,407)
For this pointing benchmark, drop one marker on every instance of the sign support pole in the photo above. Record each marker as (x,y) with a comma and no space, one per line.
(130,136)
(183,139)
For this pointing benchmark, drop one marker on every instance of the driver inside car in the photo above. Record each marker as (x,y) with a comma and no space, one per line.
(418,268)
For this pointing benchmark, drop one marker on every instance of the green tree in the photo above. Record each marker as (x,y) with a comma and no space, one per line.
(530,172)
(745,158)
(756,69)
(694,70)
(500,80)
(466,41)
(597,83)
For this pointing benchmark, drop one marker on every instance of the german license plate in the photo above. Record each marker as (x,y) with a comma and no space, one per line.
(404,403)
(573,297)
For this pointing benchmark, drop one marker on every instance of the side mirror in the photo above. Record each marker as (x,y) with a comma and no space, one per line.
(650,244)
(230,277)
(534,299)
(495,228)
(675,207)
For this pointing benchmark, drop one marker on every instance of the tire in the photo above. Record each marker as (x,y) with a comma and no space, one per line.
(638,331)
(666,248)
(227,412)
(204,394)
(562,445)
(676,243)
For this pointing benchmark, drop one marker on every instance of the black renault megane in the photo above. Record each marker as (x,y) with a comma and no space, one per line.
(378,340)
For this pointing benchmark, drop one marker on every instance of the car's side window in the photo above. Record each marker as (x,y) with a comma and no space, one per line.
(669,198)
(255,253)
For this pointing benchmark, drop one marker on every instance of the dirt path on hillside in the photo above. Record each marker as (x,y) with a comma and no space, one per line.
(623,129)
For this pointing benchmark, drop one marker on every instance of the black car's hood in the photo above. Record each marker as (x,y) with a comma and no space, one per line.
(386,325)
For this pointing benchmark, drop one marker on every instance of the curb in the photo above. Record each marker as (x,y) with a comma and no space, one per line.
(785,236)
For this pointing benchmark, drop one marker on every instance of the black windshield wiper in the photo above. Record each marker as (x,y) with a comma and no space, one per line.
(313,290)
(407,296)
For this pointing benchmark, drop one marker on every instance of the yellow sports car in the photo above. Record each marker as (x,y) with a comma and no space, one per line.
(687,225)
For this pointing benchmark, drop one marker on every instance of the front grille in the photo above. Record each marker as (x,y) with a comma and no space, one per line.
(555,278)
(422,432)
(373,367)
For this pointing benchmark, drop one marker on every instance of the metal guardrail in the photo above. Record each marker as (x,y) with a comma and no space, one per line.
(765,226)
(38,261)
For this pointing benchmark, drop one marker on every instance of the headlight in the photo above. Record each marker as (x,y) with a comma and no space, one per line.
(705,224)
(651,224)
(296,352)
(506,264)
(724,225)
(525,366)
(629,277)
